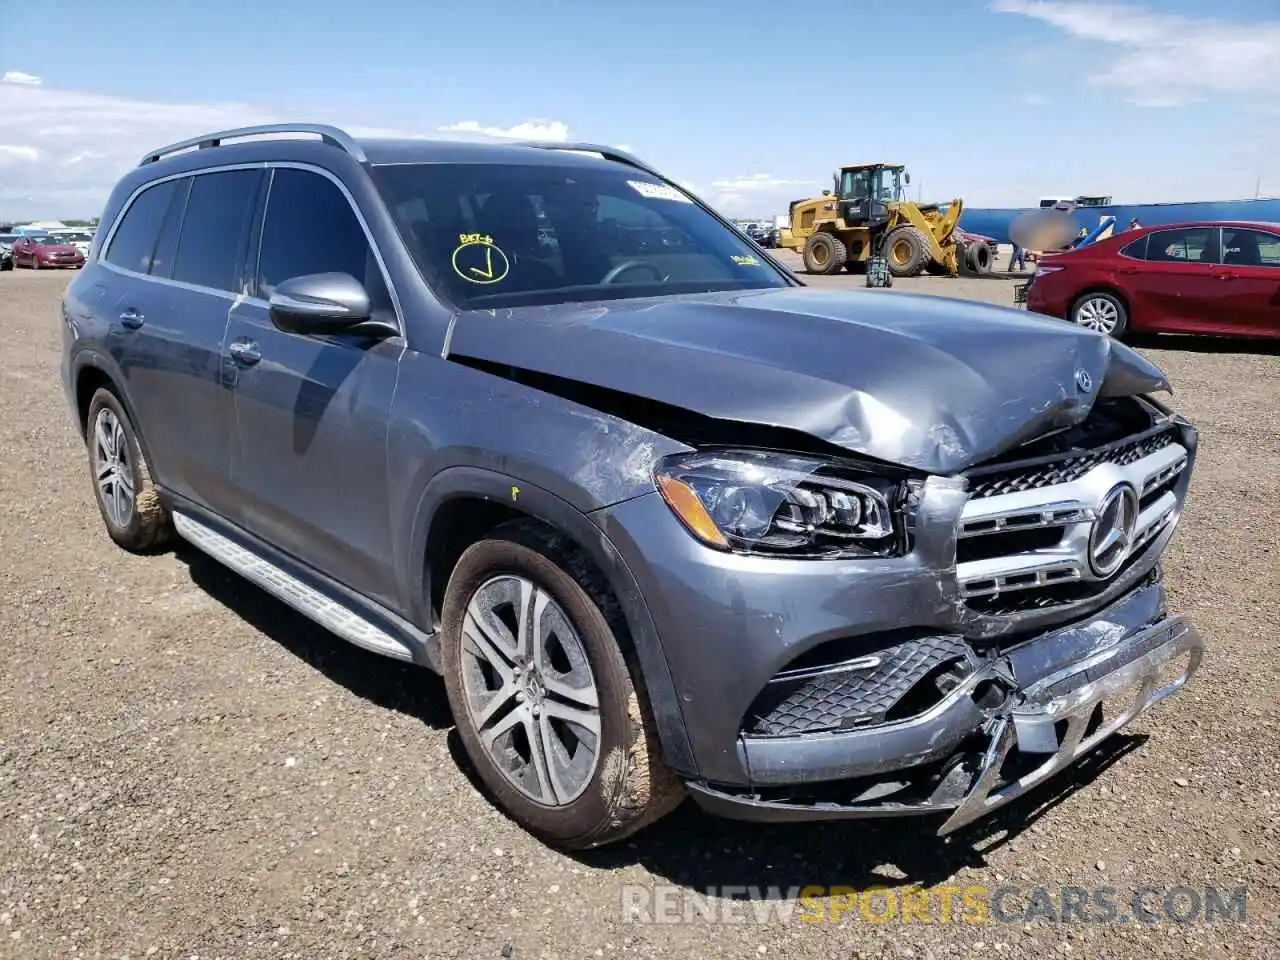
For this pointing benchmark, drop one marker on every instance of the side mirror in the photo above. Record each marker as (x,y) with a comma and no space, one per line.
(906,177)
(319,303)
(826,193)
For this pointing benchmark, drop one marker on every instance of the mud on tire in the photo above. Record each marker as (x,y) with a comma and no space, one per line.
(629,787)
(142,524)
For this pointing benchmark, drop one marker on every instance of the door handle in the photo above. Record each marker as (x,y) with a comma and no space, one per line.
(1226,275)
(245,352)
(131,318)
(1126,269)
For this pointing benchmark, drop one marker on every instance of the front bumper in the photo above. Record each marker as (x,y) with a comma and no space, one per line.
(1061,695)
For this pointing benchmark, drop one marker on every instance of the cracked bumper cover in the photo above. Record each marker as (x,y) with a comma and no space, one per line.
(1053,683)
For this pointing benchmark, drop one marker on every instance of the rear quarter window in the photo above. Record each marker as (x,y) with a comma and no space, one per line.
(134,241)
(1136,250)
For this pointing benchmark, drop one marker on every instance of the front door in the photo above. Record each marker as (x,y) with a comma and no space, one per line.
(309,455)
(1250,281)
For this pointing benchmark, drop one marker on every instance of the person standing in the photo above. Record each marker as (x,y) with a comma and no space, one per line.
(1018,260)
(1134,225)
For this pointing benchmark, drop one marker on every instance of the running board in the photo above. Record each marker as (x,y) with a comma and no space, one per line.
(328,613)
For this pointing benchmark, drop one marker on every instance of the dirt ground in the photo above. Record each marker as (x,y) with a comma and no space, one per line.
(188,769)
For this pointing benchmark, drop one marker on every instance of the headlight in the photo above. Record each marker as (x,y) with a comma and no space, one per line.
(752,501)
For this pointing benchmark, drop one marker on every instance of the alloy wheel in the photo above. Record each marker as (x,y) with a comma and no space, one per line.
(1098,313)
(111,467)
(530,691)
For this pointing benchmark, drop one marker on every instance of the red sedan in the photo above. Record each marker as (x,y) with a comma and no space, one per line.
(45,252)
(1214,278)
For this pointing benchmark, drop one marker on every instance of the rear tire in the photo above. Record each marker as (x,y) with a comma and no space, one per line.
(122,484)
(907,250)
(572,786)
(823,254)
(1101,311)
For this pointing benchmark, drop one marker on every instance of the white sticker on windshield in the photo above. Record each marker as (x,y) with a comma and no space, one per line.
(658,191)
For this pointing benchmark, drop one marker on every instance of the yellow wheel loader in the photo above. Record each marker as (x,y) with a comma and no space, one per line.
(867,214)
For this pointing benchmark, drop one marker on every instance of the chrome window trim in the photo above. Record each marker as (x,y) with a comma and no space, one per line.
(228,294)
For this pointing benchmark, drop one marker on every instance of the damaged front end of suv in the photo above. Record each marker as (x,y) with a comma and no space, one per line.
(1023,622)
(918,573)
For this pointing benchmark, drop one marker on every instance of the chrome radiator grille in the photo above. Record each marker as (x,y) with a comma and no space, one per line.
(1034,530)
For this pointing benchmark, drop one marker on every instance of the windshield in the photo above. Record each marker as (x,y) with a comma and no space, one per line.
(488,235)
(47,241)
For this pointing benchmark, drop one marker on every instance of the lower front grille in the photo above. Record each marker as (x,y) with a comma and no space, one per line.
(888,684)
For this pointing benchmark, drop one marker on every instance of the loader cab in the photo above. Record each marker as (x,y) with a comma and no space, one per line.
(866,190)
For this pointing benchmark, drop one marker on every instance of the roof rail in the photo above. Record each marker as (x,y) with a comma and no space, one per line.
(609,153)
(330,135)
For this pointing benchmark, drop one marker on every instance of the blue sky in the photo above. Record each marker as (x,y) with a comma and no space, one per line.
(997,101)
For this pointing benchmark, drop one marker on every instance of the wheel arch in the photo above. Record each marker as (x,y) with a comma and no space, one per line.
(462,503)
(91,371)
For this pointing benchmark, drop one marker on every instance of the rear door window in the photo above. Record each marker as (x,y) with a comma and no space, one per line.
(1183,245)
(215,229)
(135,238)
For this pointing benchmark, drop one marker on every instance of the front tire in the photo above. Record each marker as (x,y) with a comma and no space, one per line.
(122,484)
(540,690)
(1102,312)
(907,250)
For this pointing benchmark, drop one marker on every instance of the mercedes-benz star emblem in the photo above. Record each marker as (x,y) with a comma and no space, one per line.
(1084,381)
(1112,536)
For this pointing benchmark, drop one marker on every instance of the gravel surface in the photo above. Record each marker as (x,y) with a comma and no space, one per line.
(188,769)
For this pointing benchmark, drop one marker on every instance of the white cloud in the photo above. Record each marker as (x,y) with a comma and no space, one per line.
(757,182)
(1167,59)
(1033,100)
(757,194)
(86,141)
(552,130)
(11,154)
(63,150)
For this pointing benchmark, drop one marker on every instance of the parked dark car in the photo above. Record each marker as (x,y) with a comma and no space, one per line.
(6,250)
(1209,278)
(667,522)
(763,234)
(47,252)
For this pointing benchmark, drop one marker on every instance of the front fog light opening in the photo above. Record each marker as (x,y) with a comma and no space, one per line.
(751,501)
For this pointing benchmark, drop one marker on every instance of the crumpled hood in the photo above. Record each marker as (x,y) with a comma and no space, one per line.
(927,382)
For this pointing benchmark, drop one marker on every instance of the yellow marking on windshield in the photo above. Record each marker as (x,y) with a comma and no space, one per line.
(477,259)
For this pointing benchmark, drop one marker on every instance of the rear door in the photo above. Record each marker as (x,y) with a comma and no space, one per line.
(310,448)
(203,280)
(1250,278)
(1173,289)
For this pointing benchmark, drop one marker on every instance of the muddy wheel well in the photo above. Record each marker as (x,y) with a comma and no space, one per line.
(88,381)
(462,521)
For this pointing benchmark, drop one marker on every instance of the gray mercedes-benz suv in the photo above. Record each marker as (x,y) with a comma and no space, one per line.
(667,520)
